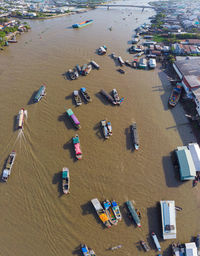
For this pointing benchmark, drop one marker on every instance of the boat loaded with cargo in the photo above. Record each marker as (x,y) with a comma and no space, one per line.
(101,212)
(175,95)
(110,213)
(133,213)
(73,74)
(134,135)
(82,24)
(77,147)
(73,118)
(85,95)
(87,251)
(77,98)
(8,167)
(65,180)
(116,210)
(40,93)
(85,70)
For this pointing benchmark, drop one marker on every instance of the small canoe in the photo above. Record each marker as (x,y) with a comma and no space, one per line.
(116,210)
(65,180)
(110,213)
(121,71)
(77,147)
(155,239)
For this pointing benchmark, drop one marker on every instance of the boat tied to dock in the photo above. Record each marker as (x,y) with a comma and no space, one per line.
(41,92)
(175,95)
(65,180)
(9,165)
(116,210)
(101,212)
(73,118)
(82,24)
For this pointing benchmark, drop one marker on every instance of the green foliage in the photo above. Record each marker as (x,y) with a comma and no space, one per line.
(188,36)
(2,20)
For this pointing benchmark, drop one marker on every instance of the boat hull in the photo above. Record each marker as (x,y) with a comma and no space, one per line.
(82,24)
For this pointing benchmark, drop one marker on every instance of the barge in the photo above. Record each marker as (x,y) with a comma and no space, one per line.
(82,24)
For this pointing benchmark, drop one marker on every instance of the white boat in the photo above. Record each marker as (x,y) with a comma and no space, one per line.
(21,118)
(121,62)
(155,239)
(152,63)
(109,126)
(95,65)
(9,164)
(65,180)
(116,96)
(105,129)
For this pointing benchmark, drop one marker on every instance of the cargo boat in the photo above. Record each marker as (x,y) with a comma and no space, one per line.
(77,98)
(87,251)
(108,97)
(101,212)
(77,147)
(134,135)
(65,180)
(73,118)
(175,95)
(110,213)
(40,93)
(82,24)
(116,210)
(21,114)
(85,95)
(9,164)
(133,213)
(155,239)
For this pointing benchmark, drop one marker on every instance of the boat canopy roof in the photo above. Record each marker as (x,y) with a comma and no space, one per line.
(190,249)
(96,204)
(76,140)
(75,92)
(75,119)
(106,205)
(103,217)
(65,174)
(83,89)
(186,164)
(195,153)
(69,112)
(114,203)
(84,249)
(133,211)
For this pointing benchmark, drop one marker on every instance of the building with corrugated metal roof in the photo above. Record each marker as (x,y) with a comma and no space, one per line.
(186,165)
(195,153)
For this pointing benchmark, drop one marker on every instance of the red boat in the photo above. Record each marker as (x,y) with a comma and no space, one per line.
(175,95)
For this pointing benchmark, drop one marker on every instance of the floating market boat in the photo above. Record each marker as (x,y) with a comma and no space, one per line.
(78,68)
(101,212)
(115,247)
(95,65)
(40,93)
(127,62)
(175,95)
(121,62)
(108,97)
(86,69)
(71,74)
(121,71)
(73,118)
(105,129)
(21,115)
(82,24)
(135,63)
(87,251)
(198,243)
(8,167)
(110,213)
(102,50)
(142,63)
(77,147)
(134,135)
(155,239)
(144,245)
(116,97)
(77,98)
(109,126)
(116,210)
(65,180)
(133,213)
(85,95)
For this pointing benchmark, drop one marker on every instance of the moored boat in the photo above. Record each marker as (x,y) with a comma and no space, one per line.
(134,135)
(144,245)
(133,213)
(109,126)
(73,118)
(105,129)
(65,180)
(108,97)
(101,212)
(102,50)
(116,96)
(82,24)
(95,65)
(77,98)
(127,62)
(155,239)
(77,147)
(135,63)
(71,74)
(121,62)
(110,213)
(85,95)
(78,68)
(121,71)
(40,93)
(198,243)
(86,69)
(175,95)
(116,210)
(8,167)
(87,251)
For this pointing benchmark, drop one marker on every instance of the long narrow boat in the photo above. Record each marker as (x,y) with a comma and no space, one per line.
(133,213)
(155,239)
(121,62)
(144,245)
(108,97)
(20,117)
(116,97)
(175,95)
(95,65)
(134,135)
(109,127)
(40,93)
(101,212)
(198,243)
(85,95)
(77,147)
(87,251)
(8,167)
(73,118)
(77,98)
(82,24)
(110,213)
(105,129)
(65,180)
(116,210)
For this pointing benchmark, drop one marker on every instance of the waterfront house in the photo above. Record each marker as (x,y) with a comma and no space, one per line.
(186,165)
(168,215)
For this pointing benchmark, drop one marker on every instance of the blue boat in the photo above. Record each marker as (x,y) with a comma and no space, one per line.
(87,251)
(82,24)
(155,239)
(133,213)
(40,93)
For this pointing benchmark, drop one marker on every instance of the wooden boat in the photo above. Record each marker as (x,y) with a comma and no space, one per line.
(109,211)
(87,251)
(121,71)
(116,210)
(21,116)
(116,97)
(8,167)
(78,68)
(73,118)
(178,208)
(135,63)
(101,212)
(102,50)
(86,69)
(121,62)
(198,243)
(65,180)
(108,97)
(82,24)
(85,95)
(76,73)
(133,213)
(77,147)
(134,135)
(109,128)
(127,62)
(71,74)
(155,239)
(95,65)
(40,93)
(144,245)
(175,95)
(115,247)
(105,129)
(77,98)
